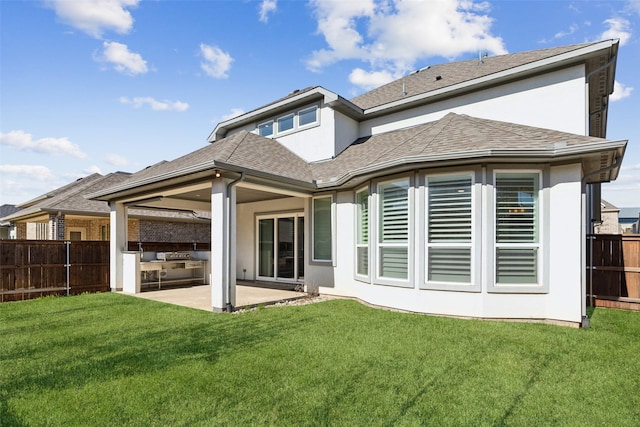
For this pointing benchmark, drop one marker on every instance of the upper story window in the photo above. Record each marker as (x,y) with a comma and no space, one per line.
(308,116)
(265,129)
(289,122)
(285,123)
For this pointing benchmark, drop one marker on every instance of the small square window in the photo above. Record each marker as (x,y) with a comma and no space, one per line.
(308,116)
(285,123)
(265,129)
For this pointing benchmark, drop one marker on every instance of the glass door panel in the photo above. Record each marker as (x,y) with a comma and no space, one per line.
(266,249)
(300,247)
(286,243)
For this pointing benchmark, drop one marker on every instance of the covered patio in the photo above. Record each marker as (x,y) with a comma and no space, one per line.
(199,297)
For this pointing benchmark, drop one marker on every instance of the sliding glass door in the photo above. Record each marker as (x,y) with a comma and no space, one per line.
(280,247)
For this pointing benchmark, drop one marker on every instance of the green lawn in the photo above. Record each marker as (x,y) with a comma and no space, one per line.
(111,360)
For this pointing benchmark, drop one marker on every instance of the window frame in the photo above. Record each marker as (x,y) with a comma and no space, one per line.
(374,237)
(474,244)
(312,240)
(278,131)
(310,124)
(542,224)
(271,122)
(357,228)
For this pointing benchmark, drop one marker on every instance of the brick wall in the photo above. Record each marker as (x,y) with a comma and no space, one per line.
(163,231)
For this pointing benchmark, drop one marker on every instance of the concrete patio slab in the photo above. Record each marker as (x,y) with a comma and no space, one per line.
(199,297)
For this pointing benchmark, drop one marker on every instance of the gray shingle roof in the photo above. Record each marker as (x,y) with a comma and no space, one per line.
(243,150)
(452,137)
(453,73)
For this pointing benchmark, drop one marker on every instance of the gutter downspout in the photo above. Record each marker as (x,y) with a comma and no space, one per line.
(228,306)
(585,319)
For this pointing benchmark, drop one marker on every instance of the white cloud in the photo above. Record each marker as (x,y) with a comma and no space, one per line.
(35,172)
(620,91)
(633,6)
(267,7)
(235,112)
(619,28)
(96,16)
(155,105)
(391,35)
(55,146)
(122,59)
(216,62)
(20,183)
(116,159)
(370,80)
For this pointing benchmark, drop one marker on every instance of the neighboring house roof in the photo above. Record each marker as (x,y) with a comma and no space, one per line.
(70,200)
(6,210)
(632,214)
(454,139)
(607,207)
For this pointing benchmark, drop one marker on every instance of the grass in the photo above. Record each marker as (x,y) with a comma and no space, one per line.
(108,359)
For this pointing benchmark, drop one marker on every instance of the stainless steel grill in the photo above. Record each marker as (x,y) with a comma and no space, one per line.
(173,256)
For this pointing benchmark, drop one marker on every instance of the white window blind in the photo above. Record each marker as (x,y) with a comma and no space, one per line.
(322,229)
(393,234)
(362,240)
(449,229)
(517,228)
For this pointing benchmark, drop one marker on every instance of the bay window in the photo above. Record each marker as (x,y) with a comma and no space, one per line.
(393,230)
(362,233)
(517,228)
(449,230)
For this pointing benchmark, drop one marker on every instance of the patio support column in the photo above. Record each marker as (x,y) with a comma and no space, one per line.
(117,244)
(222,250)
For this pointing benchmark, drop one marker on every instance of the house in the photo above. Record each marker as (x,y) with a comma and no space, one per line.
(629,219)
(608,223)
(66,214)
(7,229)
(461,189)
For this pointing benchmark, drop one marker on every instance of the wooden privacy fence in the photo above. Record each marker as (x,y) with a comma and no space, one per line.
(613,270)
(33,268)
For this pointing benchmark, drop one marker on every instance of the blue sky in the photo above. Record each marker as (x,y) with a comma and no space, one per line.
(101,86)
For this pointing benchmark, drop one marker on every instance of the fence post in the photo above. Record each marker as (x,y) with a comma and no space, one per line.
(68,265)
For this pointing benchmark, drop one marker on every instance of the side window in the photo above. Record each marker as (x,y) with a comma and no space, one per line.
(362,230)
(322,242)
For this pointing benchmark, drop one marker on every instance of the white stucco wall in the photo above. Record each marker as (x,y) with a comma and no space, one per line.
(563,270)
(554,101)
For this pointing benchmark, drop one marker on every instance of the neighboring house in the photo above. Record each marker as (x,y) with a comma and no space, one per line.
(460,189)
(609,219)
(7,228)
(629,219)
(66,214)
